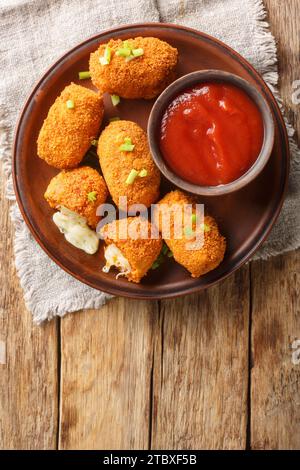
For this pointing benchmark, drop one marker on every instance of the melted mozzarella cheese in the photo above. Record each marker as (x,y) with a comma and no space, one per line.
(114,257)
(76,230)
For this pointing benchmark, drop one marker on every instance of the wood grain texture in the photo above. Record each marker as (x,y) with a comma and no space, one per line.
(275,380)
(201,369)
(106,369)
(28,368)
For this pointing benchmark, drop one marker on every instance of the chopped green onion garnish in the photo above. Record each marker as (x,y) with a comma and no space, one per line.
(70,104)
(194,218)
(115,99)
(105,59)
(165,249)
(205,227)
(115,118)
(94,142)
(170,254)
(92,196)
(188,232)
(126,44)
(155,265)
(131,177)
(128,146)
(143,173)
(123,52)
(129,58)
(84,75)
(134,53)
(138,52)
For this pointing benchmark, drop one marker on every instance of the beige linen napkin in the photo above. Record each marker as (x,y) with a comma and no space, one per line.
(35,33)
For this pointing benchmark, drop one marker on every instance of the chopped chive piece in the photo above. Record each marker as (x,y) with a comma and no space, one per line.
(115,118)
(155,265)
(115,99)
(143,173)
(128,146)
(126,44)
(107,53)
(94,142)
(194,218)
(84,75)
(129,58)
(165,249)
(105,59)
(92,196)
(134,53)
(131,177)
(123,52)
(138,52)
(205,227)
(70,104)
(188,232)
(170,254)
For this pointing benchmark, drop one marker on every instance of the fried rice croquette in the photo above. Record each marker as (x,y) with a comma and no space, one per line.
(197,261)
(144,76)
(80,190)
(116,164)
(132,255)
(73,121)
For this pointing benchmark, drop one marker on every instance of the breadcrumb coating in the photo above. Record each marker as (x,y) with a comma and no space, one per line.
(116,164)
(70,188)
(198,261)
(140,253)
(66,133)
(143,77)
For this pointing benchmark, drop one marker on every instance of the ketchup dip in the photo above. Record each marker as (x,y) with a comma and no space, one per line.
(211,134)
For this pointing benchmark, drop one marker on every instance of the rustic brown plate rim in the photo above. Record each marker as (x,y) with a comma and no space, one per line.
(264,233)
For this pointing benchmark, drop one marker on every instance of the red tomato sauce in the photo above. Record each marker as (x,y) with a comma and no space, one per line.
(211,134)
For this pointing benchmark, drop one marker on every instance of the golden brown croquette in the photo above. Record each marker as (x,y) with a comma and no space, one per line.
(198,261)
(67,132)
(143,77)
(80,190)
(116,164)
(139,253)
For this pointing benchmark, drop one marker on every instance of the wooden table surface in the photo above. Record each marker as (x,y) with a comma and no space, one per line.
(212,370)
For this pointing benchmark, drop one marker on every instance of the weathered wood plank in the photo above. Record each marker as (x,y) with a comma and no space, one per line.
(275,380)
(201,369)
(28,362)
(106,371)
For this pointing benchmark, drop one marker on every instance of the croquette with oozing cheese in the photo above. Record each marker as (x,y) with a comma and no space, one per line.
(132,254)
(118,165)
(197,261)
(72,123)
(129,76)
(81,190)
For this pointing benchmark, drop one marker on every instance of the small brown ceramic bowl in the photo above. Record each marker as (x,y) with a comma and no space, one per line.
(186,82)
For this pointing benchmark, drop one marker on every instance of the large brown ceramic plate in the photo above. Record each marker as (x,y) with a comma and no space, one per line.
(245,217)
